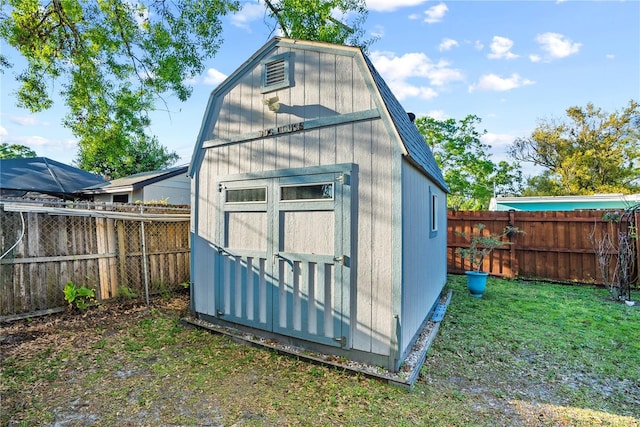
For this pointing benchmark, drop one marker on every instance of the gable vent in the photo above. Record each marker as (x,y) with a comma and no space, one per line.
(274,72)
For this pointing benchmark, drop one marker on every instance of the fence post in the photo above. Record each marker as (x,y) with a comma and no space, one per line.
(637,232)
(144,259)
(102,251)
(513,259)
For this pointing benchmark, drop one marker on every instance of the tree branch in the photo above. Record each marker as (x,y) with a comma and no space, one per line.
(276,13)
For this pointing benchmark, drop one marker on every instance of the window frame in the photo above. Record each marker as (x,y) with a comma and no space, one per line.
(286,80)
(266,195)
(433,213)
(312,184)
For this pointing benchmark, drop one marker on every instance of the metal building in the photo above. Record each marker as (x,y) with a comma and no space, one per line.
(318,211)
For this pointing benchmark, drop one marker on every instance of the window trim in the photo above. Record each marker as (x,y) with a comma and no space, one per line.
(433,213)
(309,184)
(286,80)
(266,195)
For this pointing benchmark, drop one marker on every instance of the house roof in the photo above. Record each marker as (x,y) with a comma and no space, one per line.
(43,175)
(135,181)
(414,147)
(543,203)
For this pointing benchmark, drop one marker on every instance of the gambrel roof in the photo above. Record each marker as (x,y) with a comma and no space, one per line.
(413,145)
(417,150)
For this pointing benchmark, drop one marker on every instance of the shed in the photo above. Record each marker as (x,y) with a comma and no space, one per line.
(41,175)
(171,186)
(318,211)
(564,203)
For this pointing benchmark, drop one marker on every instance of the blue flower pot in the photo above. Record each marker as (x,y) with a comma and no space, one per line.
(476,282)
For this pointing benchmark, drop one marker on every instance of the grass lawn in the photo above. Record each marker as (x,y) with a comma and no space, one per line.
(527,353)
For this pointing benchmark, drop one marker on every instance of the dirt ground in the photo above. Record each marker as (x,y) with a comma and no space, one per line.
(56,337)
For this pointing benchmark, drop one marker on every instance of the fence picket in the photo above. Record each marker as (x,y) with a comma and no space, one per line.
(555,246)
(93,247)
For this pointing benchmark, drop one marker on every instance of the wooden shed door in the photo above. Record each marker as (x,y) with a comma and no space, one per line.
(243,282)
(285,255)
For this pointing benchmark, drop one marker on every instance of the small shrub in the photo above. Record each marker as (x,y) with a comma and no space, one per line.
(482,243)
(80,297)
(126,293)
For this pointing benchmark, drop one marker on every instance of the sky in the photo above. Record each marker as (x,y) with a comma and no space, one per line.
(511,63)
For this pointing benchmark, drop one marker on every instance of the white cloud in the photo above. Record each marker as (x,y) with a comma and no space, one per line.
(493,82)
(437,114)
(402,90)
(3,131)
(535,58)
(214,77)
(478,45)
(377,31)
(442,74)
(501,48)
(24,120)
(390,5)
(397,70)
(33,141)
(557,45)
(610,56)
(497,140)
(435,13)
(250,12)
(447,44)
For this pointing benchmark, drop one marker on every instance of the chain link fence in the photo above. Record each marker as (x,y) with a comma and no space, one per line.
(119,251)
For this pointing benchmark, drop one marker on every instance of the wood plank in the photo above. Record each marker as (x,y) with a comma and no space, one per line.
(367,290)
(555,245)
(382,183)
(103,266)
(111,261)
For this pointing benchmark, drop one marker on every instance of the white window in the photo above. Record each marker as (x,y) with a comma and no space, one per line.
(434,213)
(306,192)
(246,195)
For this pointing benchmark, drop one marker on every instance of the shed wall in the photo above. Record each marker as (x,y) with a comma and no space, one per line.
(325,84)
(424,254)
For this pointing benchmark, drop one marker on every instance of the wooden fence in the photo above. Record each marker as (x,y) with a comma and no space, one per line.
(558,246)
(144,251)
(139,251)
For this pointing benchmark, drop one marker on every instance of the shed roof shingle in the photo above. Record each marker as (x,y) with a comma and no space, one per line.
(415,145)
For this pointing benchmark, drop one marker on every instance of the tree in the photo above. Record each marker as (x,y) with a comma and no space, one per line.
(590,152)
(466,165)
(117,59)
(314,20)
(15,151)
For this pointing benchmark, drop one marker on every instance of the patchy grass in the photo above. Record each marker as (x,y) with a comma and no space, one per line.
(525,354)
(564,354)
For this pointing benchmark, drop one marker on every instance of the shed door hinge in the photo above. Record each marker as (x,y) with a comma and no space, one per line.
(342,340)
(342,259)
(343,179)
